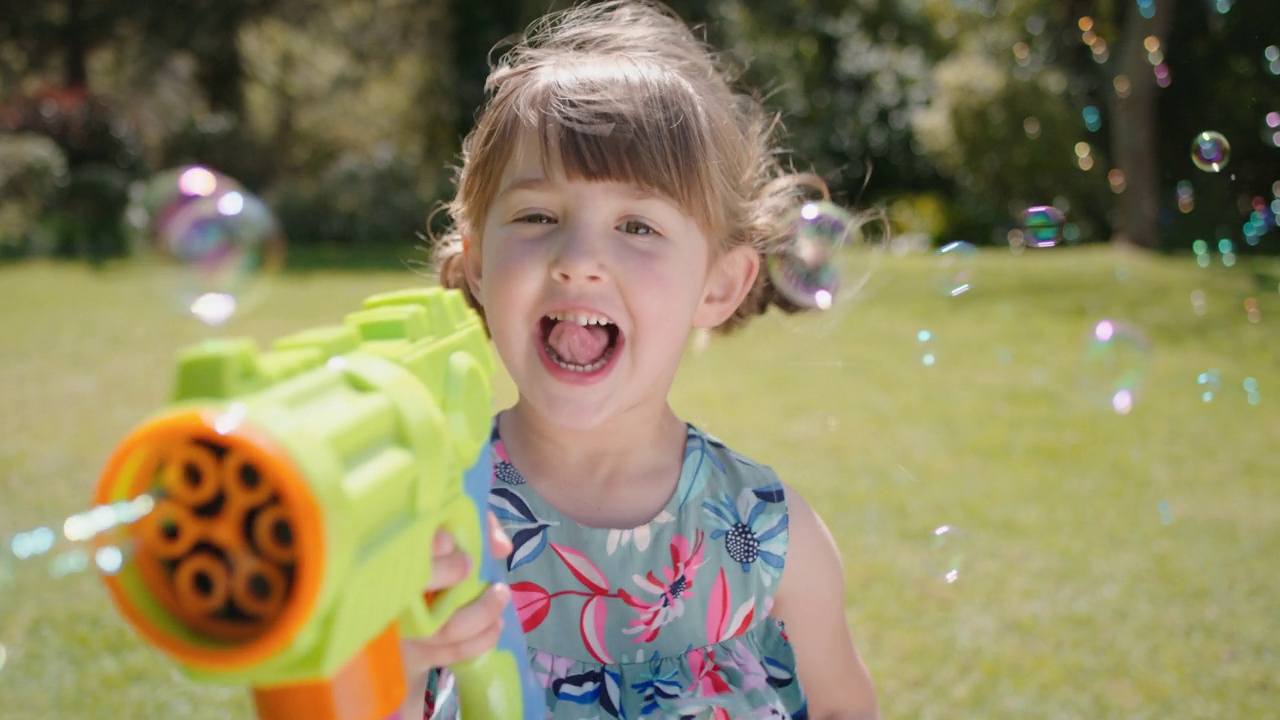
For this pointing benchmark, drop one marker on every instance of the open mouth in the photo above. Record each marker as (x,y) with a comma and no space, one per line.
(577,342)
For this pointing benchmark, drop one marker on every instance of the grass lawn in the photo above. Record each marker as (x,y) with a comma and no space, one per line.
(1104,565)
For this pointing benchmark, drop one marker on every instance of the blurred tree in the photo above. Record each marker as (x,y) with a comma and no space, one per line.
(1160,72)
(1003,122)
(847,78)
(1123,39)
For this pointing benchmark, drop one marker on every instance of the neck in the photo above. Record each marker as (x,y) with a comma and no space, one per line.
(639,442)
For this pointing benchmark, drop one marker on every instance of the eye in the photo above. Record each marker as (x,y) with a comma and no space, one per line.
(536,218)
(636,227)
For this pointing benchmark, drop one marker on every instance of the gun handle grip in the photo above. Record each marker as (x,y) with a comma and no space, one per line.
(499,683)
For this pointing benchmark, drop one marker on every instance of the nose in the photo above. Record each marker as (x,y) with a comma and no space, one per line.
(579,256)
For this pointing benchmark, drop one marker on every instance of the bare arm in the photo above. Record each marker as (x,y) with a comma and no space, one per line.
(811,603)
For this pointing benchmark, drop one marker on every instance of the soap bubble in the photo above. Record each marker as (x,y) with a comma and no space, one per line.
(1209,382)
(1114,365)
(946,553)
(927,357)
(955,268)
(1042,226)
(808,270)
(212,239)
(1210,151)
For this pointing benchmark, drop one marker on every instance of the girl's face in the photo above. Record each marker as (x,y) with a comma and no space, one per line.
(590,290)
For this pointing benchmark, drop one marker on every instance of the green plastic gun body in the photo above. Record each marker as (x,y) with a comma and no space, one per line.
(297,493)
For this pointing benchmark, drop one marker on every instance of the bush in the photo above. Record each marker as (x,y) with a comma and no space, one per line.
(358,200)
(31,167)
(81,201)
(221,142)
(85,217)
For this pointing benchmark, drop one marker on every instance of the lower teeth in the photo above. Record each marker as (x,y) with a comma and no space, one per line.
(575,367)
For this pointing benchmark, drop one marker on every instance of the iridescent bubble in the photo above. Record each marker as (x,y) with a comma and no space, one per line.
(955,268)
(94,538)
(827,258)
(927,358)
(947,549)
(1251,390)
(1210,151)
(1198,304)
(807,270)
(1115,363)
(1252,311)
(1092,118)
(1209,383)
(212,238)
(1042,226)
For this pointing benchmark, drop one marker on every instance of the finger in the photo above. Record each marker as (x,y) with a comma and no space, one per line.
(443,543)
(472,619)
(437,655)
(448,570)
(499,544)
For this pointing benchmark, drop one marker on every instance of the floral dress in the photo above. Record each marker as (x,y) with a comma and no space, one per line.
(666,620)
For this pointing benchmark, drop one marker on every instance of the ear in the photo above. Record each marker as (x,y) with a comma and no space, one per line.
(728,281)
(472,267)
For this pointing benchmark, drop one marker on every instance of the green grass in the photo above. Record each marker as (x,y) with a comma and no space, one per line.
(1077,597)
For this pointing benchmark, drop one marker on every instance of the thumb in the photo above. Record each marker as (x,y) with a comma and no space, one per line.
(499,544)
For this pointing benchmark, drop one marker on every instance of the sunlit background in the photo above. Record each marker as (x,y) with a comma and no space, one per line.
(1036,399)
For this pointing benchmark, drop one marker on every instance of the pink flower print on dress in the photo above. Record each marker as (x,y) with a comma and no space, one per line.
(670,591)
(708,682)
(721,625)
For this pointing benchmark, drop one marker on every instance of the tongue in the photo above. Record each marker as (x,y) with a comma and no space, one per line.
(578,344)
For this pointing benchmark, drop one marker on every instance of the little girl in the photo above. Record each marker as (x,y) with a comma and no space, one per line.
(617,194)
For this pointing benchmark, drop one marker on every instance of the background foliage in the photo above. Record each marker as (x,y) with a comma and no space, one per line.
(346,115)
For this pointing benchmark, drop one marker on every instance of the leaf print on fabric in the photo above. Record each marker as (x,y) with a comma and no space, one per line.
(753,529)
(526,546)
(532,603)
(780,675)
(770,493)
(670,591)
(528,533)
(660,686)
(592,624)
(639,536)
(509,507)
(720,624)
(697,466)
(582,568)
(600,686)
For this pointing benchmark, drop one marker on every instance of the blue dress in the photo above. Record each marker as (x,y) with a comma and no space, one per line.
(666,620)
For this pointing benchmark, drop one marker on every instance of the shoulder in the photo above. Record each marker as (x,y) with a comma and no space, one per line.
(813,559)
(735,466)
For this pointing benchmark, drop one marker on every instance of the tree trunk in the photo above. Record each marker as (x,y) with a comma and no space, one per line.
(76,70)
(1134,126)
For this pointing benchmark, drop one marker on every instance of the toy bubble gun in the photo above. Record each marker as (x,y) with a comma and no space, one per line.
(296,496)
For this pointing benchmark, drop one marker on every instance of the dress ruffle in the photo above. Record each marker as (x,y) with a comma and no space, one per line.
(748,676)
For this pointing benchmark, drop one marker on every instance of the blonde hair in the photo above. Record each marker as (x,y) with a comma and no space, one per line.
(624,91)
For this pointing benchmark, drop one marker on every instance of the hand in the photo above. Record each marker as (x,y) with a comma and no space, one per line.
(474,627)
